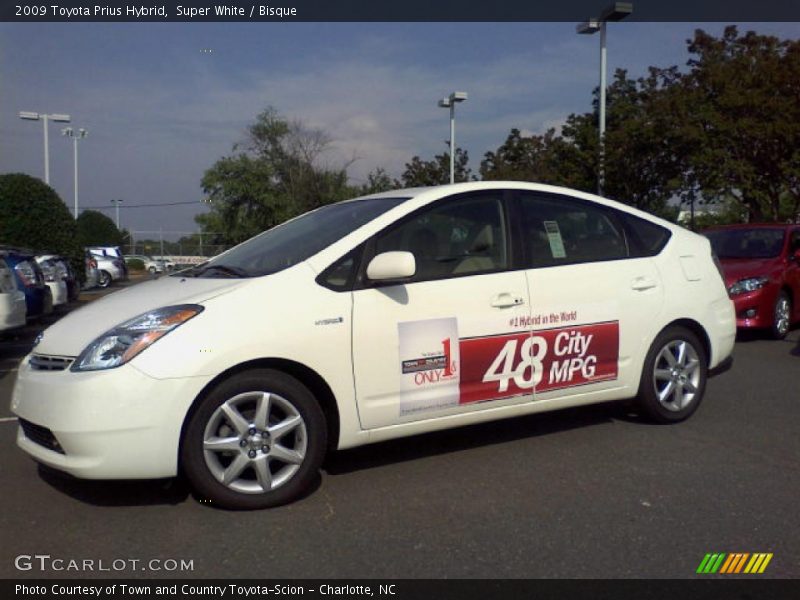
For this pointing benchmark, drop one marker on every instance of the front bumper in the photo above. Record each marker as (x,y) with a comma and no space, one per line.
(114,424)
(755,310)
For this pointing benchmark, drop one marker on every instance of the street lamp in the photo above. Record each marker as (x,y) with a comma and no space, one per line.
(450,102)
(614,12)
(34,116)
(75,135)
(116,202)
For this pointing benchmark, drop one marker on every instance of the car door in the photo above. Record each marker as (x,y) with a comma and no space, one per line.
(422,347)
(593,300)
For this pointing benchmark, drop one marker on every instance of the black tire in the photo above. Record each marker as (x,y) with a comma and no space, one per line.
(103,279)
(679,404)
(781,316)
(288,399)
(152,270)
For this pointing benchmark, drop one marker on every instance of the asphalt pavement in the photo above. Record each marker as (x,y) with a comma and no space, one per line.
(591,492)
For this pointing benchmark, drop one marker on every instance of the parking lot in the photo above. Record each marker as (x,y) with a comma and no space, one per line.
(591,492)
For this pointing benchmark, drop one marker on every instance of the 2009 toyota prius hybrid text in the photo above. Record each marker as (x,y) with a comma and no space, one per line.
(375,318)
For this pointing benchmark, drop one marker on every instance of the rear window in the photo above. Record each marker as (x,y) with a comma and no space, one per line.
(645,237)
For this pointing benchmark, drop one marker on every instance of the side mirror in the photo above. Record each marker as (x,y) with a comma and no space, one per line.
(389,266)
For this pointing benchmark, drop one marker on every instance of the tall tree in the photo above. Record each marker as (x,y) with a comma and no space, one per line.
(741,116)
(436,171)
(275,174)
(548,158)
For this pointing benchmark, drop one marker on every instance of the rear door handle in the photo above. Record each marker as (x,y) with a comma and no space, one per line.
(640,284)
(506,300)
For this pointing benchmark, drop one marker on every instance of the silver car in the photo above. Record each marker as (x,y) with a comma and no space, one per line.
(110,268)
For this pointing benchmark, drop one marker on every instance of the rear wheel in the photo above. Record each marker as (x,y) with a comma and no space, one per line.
(782,315)
(256,441)
(674,376)
(103,279)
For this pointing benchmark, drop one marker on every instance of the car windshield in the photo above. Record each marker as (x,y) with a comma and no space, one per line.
(746,243)
(294,241)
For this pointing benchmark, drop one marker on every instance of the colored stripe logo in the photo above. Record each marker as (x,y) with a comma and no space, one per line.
(735,562)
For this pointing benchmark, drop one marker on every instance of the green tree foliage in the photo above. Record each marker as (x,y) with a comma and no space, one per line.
(274,175)
(378,180)
(437,171)
(33,216)
(741,116)
(96,229)
(548,158)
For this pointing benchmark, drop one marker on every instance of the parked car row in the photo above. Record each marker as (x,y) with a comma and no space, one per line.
(33,282)
(25,290)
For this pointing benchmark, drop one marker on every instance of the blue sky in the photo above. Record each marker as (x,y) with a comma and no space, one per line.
(160,110)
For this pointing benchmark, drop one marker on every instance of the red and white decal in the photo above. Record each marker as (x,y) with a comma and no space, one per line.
(512,364)
(439,370)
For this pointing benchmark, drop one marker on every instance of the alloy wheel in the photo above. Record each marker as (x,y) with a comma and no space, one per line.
(255,442)
(676,375)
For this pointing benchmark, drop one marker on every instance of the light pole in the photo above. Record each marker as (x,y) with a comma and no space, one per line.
(614,12)
(450,102)
(116,203)
(34,116)
(75,135)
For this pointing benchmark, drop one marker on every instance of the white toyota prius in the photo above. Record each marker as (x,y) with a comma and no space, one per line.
(376,318)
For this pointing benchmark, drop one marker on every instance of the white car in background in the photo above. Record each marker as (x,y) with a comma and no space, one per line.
(54,276)
(12,299)
(376,318)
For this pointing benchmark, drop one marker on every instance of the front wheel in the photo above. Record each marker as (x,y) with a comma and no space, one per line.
(674,376)
(257,440)
(782,316)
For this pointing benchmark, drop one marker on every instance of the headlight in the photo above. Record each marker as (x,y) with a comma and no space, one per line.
(751,284)
(121,344)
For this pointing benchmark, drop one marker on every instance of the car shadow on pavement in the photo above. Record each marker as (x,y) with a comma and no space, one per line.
(472,436)
(117,493)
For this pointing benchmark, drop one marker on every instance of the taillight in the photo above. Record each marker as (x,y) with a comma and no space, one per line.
(93,263)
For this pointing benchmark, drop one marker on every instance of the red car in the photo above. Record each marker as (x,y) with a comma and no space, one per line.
(761,264)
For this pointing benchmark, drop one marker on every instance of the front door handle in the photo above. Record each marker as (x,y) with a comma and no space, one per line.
(640,284)
(506,300)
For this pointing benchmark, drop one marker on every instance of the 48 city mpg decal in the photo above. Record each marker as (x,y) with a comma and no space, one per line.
(440,370)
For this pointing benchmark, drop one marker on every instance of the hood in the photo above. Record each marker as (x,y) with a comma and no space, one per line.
(742,268)
(70,335)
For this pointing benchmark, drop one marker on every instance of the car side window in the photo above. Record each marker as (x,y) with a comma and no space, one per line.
(560,231)
(794,242)
(458,236)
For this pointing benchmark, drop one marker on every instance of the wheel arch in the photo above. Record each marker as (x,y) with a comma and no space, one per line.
(304,374)
(697,329)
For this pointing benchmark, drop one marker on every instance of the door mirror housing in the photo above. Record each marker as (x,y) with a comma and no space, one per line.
(389,266)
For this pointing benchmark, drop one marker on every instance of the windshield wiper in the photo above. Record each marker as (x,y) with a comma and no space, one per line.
(228,270)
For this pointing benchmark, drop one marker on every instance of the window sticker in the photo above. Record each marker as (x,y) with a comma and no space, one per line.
(555,239)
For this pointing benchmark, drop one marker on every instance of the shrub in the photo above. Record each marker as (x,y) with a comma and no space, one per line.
(32,215)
